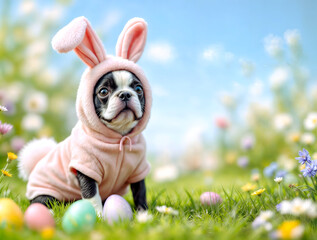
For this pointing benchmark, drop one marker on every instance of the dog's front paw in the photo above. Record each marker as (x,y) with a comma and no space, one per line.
(97,204)
(99,211)
(142,207)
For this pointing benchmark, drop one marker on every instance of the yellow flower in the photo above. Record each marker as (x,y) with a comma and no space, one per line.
(6,173)
(290,229)
(248,187)
(48,233)
(258,192)
(12,156)
(294,137)
(302,167)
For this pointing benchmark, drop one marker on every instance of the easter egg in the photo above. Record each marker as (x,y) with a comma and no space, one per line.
(80,216)
(116,209)
(210,198)
(11,215)
(38,217)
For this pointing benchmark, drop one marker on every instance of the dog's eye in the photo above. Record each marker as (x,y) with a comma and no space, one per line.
(138,90)
(103,92)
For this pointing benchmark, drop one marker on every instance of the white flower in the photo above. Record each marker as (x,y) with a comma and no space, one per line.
(299,207)
(27,7)
(297,232)
(166,210)
(14,91)
(311,121)
(262,220)
(228,100)
(307,138)
(53,13)
(292,37)
(278,179)
(32,122)
(278,77)
(266,215)
(165,173)
(287,163)
(273,45)
(3,109)
(285,207)
(36,102)
(144,216)
(282,121)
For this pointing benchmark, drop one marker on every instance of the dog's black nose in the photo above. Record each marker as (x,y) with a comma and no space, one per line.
(125,96)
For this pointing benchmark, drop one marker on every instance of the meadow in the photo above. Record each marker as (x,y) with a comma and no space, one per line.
(241,215)
(256,160)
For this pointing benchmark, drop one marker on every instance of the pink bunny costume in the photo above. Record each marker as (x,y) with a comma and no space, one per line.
(112,160)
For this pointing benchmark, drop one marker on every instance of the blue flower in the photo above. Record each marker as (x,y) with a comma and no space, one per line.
(304,157)
(310,169)
(280,173)
(270,170)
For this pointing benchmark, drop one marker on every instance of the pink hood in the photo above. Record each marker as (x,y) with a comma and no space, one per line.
(112,160)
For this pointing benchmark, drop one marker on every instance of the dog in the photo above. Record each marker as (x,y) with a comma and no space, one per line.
(113,106)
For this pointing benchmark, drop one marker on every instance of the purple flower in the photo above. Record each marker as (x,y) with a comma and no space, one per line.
(310,169)
(243,162)
(247,142)
(278,207)
(5,128)
(17,143)
(304,157)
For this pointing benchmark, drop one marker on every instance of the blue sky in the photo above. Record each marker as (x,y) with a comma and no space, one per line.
(194,54)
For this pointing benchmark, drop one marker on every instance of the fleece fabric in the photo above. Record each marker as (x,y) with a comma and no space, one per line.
(112,160)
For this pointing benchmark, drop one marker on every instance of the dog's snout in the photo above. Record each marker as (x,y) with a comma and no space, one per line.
(125,96)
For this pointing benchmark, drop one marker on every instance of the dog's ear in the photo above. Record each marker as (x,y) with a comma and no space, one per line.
(79,36)
(132,40)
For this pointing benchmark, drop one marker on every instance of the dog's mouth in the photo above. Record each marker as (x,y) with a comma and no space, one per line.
(123,110)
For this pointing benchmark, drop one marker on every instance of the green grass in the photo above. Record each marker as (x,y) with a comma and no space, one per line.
(230,220)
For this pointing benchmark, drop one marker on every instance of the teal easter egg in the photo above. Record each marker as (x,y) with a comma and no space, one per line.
(80,216)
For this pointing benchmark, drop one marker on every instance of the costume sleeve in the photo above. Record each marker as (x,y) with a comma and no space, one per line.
(87,164)
(141,171)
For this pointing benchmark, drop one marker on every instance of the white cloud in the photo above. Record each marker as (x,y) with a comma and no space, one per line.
(161,52)
(278,77)
(111,19)
(247,67)
(273,45)
(212,53)
(216,53)
(256,88)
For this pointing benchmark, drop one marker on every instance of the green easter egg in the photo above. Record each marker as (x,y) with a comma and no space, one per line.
(80,216)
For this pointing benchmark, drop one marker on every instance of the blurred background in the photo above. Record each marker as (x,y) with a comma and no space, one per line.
(234,82)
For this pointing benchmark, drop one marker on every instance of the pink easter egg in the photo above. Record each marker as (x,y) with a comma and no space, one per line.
(38,217)
(210,198)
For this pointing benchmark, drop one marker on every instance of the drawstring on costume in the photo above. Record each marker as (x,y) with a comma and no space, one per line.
(122,141)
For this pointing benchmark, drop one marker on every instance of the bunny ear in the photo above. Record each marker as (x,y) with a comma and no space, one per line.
(132,40)
(79,36)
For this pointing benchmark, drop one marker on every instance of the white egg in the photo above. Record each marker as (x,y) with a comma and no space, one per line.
(116,209)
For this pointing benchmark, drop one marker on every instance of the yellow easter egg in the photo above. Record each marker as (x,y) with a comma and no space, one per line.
(11,216)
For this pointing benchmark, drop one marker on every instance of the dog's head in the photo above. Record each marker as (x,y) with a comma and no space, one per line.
(119,100)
